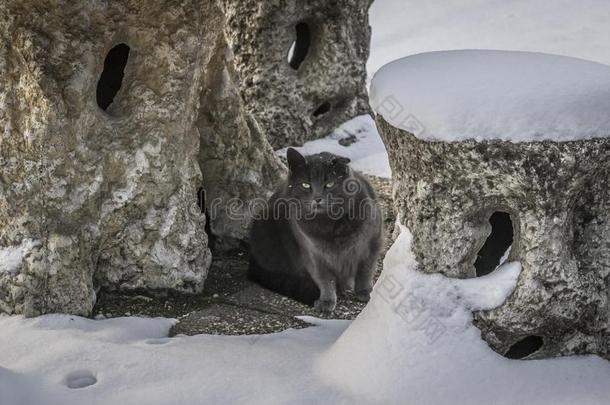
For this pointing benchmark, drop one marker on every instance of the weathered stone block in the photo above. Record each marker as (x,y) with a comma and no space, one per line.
(109,113)
(558,200)
(305,93)
(471,204)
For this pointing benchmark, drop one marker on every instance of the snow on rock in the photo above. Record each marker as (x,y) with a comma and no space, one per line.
(356,139)
(10,257)
(563,27)
(548,198)
(415,343)
(481,95)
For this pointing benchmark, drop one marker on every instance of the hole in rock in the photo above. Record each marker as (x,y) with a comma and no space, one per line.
(201,199)
(299,48)
(497,244)
(524,347)
(111,78)
(322,109)
(201,202)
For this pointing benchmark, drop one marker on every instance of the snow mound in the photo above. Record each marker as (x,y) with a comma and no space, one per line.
(563,27)
(364,146)
(415,343)
(10,257)
(506,95)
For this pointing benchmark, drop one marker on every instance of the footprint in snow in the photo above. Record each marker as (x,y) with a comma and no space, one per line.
(80,379)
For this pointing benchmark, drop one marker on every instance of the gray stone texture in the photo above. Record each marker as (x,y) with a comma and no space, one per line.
(284,99)
(238,163)
(558,198)
(111,196)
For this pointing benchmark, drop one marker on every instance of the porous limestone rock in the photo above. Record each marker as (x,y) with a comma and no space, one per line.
(557,195)
(123,126)
(500,155)
(107,187)
(301,64)
(239,164)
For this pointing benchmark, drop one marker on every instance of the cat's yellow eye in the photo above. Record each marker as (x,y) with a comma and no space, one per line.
(330,185)
(305,185)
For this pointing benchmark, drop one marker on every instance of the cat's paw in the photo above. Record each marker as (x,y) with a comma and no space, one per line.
(363,295)
(325,306)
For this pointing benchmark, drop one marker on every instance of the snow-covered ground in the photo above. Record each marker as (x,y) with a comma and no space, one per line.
(413,344)
(65,360)
(365,149)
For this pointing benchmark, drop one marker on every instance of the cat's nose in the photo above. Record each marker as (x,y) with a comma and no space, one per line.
(318,200)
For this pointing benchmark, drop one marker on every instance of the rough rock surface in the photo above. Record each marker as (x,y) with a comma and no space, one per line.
(328,87)
(109,197)
(238,163)
(558,199)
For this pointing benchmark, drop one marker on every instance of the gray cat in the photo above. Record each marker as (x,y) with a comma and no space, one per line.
(319,234)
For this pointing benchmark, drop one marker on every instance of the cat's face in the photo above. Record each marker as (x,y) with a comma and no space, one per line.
(318,183)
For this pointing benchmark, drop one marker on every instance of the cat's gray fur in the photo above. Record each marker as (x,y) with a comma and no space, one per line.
(320,233)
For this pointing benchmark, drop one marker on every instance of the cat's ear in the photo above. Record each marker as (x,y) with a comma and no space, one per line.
(340,165)
(296,161)
(340,161)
